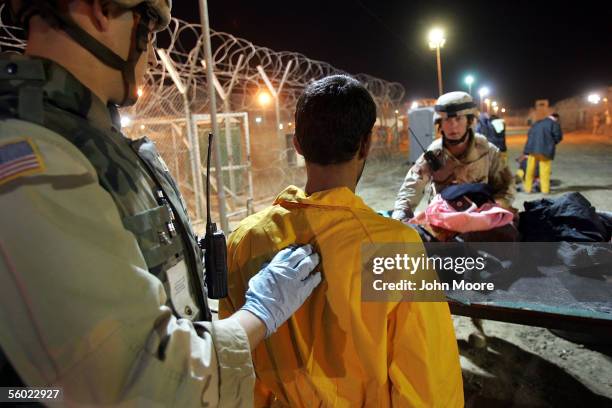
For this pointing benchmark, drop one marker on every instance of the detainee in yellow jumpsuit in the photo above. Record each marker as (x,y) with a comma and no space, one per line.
(338,350)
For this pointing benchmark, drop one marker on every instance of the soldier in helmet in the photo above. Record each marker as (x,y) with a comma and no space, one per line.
(101,276)
(459,156)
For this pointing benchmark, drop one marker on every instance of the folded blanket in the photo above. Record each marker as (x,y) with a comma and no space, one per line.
(441,214)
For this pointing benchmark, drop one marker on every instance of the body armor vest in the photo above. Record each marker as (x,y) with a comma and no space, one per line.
(131,171)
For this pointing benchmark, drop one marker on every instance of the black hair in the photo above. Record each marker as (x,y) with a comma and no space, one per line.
(555,115)
(334,117)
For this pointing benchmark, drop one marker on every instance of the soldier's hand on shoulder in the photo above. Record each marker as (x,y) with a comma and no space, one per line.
(282,286)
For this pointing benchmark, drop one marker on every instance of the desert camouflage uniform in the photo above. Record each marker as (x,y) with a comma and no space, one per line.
(481,163)
(94,236)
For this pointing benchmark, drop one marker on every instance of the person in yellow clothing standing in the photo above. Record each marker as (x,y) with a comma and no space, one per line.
(542,140)
(338,350)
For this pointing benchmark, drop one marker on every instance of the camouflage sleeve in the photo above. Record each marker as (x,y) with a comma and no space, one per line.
(501,179)
(412,190)
(79,308)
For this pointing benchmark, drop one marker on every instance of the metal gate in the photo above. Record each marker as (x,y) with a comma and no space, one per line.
(185,155)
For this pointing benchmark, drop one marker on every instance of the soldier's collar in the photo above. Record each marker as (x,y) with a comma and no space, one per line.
(66,92)
(38,80)
(52,83)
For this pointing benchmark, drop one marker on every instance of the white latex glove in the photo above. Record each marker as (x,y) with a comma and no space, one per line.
(282,286)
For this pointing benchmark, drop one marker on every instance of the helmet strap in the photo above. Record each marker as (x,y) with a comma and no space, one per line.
(104,54)
(449,142)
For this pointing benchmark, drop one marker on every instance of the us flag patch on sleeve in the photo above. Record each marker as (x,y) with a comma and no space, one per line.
(19,158)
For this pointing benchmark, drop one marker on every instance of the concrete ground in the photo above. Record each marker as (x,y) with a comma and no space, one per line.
(522,365)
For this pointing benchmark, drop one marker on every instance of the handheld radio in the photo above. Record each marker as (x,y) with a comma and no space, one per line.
(214,246)
(430,158)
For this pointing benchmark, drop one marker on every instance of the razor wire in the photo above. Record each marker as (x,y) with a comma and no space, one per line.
(238,66)
(233,58)
(236,62)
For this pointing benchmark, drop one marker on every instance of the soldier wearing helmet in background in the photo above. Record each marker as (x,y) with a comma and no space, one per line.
(459,156)
(101,277)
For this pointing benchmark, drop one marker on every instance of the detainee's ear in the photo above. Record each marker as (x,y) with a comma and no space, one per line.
(364,147)
(101,14)
(296,144)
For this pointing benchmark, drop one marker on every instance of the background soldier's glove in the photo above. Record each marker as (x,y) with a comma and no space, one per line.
(281,287)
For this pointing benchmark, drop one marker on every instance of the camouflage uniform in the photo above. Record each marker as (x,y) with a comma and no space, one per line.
(481,163)
(94,235)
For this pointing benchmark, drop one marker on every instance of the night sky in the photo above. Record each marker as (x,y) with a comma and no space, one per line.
(522,50)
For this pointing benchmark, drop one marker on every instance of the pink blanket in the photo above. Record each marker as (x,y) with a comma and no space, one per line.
(440,214)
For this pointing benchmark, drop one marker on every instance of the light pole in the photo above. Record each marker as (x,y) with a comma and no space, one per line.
(482,92)
(213,114)
(437,41)
(396,129)
(263,99)
(595,99)
(469,80)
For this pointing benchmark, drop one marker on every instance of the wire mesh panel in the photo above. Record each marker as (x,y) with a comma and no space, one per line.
(235,145)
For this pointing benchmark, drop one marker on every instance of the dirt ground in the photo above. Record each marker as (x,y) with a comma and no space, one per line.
(521,365)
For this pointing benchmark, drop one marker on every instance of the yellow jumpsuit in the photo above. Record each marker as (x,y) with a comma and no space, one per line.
(337,350)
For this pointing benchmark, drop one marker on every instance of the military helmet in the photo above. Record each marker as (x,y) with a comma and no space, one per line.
(154,16)
(454,104)
(159,9)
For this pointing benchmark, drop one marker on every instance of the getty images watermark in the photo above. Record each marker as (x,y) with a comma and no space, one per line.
(479,271)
